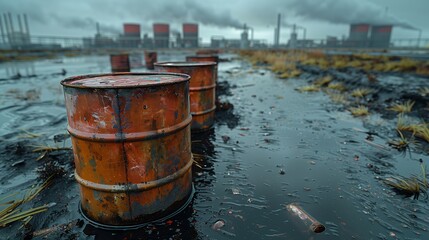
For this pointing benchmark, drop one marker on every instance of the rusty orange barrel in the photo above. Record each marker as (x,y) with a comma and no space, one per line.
(202,89)
(131,144)
(205,58)
(150,58)
(120,63)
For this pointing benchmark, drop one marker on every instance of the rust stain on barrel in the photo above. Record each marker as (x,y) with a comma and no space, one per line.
(131,144)
(202,89)
(120,62)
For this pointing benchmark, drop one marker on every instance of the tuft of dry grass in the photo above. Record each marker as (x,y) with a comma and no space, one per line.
(406,186)
(412,186)
(12,213)
(324,81)
(424,91)
(420,130)
(401,144)
(405,107)
(337,86)
(309,88)
(338,98)
(359,111)
(360,92)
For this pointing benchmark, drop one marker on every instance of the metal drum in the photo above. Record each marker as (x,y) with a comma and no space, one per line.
(131,144)
(202,90)
(120,63)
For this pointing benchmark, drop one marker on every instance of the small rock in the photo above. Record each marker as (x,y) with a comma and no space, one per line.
(225,138)
(218,224)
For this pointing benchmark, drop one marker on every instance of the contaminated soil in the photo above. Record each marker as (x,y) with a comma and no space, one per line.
(271,145)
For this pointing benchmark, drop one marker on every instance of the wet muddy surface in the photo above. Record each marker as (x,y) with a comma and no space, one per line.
(271,146)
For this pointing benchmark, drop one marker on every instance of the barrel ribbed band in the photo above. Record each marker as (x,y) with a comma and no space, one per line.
(129,137)
(204,112)
(134,187)
(195,89)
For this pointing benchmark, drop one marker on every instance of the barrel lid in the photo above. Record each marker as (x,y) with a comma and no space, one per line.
(184,64)
(124,80)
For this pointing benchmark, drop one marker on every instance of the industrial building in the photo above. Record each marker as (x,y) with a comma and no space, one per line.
(131,37)
(380,36)
(190,35)
(161,35)
(358,35)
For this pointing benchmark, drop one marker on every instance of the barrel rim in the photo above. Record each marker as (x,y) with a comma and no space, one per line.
(184,64)
(65,82)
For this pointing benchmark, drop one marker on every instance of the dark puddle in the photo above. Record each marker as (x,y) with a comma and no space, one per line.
(270,146)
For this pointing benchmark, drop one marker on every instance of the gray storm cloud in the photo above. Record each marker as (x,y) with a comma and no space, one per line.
(345,12)
(84,23)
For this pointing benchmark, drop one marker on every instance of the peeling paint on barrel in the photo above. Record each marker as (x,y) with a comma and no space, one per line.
(135,166)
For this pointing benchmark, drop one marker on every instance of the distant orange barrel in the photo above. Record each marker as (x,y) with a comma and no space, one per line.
(120,63)
(205,58)
(131,144)
(150,58)
(202,89)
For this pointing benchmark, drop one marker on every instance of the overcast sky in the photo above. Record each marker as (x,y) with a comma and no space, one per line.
(77,18)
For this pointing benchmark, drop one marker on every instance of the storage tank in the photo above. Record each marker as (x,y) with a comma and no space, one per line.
(190,35)
(358,36)
(161,35)
(131,37)
(380,36)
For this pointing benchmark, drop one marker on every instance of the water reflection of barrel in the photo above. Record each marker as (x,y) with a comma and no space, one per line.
(205,58)
(150,58)
(131,143)
(120,63)
(202,90)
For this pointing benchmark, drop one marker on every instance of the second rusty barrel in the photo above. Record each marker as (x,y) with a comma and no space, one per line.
(131,143)
(202,90)
(150,58)
(120,62)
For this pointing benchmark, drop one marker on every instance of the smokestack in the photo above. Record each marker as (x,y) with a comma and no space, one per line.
(21,30)
(11,32)
(277,40)
(6,24)
(27,30)
(97,25)
(2,32)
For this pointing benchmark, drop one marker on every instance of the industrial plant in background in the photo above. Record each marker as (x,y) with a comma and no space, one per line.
(16,35)
(364,35)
